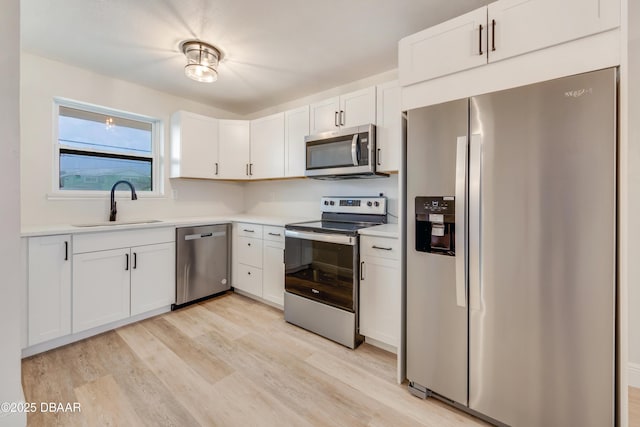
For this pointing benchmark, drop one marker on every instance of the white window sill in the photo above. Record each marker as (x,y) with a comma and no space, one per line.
(101,195)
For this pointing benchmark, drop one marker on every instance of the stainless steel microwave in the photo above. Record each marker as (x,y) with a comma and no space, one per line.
(342,154)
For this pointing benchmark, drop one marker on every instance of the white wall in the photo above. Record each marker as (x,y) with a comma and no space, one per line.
(301,197)
(44,79)
(10,381)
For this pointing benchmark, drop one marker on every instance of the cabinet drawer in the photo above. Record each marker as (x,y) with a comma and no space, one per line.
(92,242)
(249,279)
(249,230)
(382,247)
(275,234)
(249,251)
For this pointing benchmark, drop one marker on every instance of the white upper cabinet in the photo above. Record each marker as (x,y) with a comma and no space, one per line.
(194,146)
(267,147)
(521,26)
(296,127)
(348,110)
(389,132)
(234,140)
(501,30)
(455,45)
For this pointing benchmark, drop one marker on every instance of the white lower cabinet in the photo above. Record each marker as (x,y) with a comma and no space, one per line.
(380,291)
(152,277)
(258,261)
(121,274)
(49,288)
(100,288)
(273,265)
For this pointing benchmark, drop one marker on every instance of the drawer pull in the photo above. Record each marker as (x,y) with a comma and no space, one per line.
(248,244)
(275,234)
(248,231)
(381,248)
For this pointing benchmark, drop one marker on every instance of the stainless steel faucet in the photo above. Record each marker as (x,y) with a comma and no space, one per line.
(134,196)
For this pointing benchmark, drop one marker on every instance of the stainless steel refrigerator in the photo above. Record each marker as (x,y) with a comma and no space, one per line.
(511,252)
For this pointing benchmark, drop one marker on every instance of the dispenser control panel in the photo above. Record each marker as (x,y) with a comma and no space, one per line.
(435,225)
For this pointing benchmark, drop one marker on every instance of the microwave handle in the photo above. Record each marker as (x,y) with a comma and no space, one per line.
(354,150)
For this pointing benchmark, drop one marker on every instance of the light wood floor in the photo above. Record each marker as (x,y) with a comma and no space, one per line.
(230,361)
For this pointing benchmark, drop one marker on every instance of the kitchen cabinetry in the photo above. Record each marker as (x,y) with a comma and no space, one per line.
(348,110)
(267,155)
(296,127)
(121,274)
(234,155)
(194,146)
(501,30)
(49,288)
(273,265)
(259,261)
(380,291)
(389,130)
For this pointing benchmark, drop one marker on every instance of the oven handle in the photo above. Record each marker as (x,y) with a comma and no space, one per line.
(340,239)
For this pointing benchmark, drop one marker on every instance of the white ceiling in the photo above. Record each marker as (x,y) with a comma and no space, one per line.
(276,50)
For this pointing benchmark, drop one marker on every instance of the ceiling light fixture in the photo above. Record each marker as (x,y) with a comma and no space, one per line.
(202,60)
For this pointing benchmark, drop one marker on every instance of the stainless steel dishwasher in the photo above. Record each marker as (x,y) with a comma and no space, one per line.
(203,264)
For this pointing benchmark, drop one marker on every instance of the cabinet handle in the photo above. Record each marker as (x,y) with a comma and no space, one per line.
(216,168)
(480,52)
(66,250)
(248,244)
(335,119)
(381,248)
(342,117)
(361,270)
(248,231)
(275,234)
(378,159)
(126,268)
(246,169)
(249,273)
(135,260)
(250,169)
(493,34)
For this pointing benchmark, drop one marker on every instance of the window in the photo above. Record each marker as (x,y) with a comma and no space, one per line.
(97,147)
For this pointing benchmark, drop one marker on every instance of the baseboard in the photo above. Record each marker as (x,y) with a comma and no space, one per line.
(634,374)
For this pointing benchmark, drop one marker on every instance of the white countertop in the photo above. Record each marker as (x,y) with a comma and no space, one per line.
(384,230)
(44,230)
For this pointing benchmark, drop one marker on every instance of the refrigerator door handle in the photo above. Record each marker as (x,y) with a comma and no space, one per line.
(461,222)
(475,198)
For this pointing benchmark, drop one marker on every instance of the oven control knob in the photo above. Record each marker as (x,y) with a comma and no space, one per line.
(326,202)
(332,203)
(369,204)
(376,204)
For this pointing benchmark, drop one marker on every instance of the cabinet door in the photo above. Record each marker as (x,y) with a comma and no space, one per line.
(249,251)
(153,275)
(267,147)
(194,146)
(389,131)
(455,45)
(100,288)
(273,272)
(323,115)
(49,288)
(358,108)
(380,300)
(234,149)
(249,279)
(526,25)
(296,127)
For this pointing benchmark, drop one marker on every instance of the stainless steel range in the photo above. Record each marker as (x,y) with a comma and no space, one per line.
(322,267)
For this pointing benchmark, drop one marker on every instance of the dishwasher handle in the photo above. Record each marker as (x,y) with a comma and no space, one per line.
(204,235)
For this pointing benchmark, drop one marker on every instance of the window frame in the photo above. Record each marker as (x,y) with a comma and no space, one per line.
(157,151)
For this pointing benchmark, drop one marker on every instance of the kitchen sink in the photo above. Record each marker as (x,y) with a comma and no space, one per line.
(112,223)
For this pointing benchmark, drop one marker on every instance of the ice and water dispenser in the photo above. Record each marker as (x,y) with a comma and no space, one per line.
(435,225)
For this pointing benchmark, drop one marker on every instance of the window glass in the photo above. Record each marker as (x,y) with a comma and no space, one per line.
(96,149)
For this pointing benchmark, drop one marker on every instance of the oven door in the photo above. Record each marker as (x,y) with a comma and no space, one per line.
(322,267)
